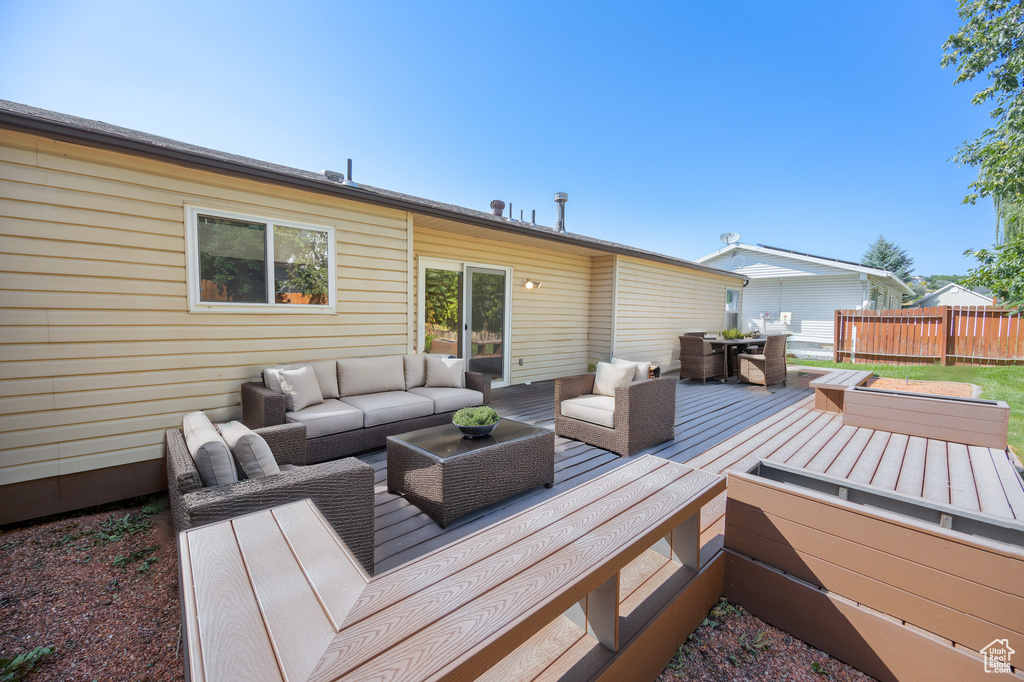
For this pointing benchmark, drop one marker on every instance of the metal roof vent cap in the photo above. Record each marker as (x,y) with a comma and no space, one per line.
(497,207)
(560,199)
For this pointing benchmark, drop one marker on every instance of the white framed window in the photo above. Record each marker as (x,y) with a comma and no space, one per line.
(732,308)
(240,262)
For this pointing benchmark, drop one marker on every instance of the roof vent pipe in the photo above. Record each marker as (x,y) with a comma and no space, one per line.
(348,181)
(560,199)
(497,207)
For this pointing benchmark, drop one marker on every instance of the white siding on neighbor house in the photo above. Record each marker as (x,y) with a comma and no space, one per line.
(99,353)
(758,265)
(549,324)
(954,296)
(602,308)
(812,302)
(656,302)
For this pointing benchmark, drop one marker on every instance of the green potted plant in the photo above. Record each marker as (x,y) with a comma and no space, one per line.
(732,334)
(476,422)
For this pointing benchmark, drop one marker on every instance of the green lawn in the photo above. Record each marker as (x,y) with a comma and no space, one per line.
(997,383)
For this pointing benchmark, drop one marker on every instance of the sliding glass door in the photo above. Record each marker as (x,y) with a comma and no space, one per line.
(465,312)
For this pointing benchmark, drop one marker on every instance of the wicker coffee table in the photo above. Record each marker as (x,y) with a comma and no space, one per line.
(447,475)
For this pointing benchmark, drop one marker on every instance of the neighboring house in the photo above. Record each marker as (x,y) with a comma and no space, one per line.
(798,293)
(144,278)
(954,294)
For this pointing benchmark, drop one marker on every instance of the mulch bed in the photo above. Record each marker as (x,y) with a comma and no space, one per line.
(101,588)
(732,645)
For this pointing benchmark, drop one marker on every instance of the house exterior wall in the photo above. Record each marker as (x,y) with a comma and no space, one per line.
(811,300)
(602,307)
(657,302)
(99,352)
(549,324)
(758,265)
(954,296)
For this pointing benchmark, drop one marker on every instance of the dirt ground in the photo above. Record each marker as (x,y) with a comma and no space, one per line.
(100,588)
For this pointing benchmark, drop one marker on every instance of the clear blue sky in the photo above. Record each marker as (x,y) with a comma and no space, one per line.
(813,126)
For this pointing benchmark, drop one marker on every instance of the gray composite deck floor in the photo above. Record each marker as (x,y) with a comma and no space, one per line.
(706,415)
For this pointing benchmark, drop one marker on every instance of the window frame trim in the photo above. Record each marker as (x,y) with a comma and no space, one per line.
(195,305)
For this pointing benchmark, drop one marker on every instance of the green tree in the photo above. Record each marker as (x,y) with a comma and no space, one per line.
(886,255)
(1000,270)
(990,43)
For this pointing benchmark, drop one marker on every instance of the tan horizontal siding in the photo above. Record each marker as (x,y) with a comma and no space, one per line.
(602,293)
(549,324)
(99,354)
(657,302)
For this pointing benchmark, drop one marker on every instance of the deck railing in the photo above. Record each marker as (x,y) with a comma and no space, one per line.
(947,335)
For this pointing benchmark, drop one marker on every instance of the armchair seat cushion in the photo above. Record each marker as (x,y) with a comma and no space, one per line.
(330,416)
(448,399)
(596,409)
(390,406)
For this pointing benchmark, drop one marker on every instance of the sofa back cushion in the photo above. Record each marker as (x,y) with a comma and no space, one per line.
(326,376)
(251,452)
(446,373)
(359,376)
(210,453)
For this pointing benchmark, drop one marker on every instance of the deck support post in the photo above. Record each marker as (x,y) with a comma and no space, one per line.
(682,544)
(598,613)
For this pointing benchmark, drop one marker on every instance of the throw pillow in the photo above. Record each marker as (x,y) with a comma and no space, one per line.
(609,376)
(300,388)
(446,373)
(210,453)
(250,451)
(643,369)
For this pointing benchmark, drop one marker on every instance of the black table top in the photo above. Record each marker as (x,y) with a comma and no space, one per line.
(447,441)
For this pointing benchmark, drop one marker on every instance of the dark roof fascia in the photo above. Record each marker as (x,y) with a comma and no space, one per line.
(68,132)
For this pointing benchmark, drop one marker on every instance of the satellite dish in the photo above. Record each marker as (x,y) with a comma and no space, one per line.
(729,238)
(737,261)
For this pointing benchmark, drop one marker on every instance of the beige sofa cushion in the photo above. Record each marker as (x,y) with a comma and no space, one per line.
(330,416)
(326,376)
(448,399)
(360,376)
(610,376)
(210,453)
(446,373)
(300,388)
(415,369)
(596,409)
(390,406)
(643,369)
(251,452)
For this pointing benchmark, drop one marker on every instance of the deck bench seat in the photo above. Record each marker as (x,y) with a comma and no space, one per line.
(830,389)
(281,591)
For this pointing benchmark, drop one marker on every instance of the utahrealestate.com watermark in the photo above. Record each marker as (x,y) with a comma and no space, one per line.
(997,656)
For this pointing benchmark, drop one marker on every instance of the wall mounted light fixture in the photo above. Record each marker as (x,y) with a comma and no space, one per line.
(532,284)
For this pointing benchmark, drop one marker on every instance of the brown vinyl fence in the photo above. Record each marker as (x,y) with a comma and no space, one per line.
(949,335)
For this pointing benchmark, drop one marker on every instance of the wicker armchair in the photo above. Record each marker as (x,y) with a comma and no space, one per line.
(698,359)
(767,368)
(342,490)
(644,414)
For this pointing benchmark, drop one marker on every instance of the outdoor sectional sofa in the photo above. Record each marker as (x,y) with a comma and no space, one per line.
(365,400)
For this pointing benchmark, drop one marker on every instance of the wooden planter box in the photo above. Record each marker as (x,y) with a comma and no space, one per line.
(900,588)
(958,420)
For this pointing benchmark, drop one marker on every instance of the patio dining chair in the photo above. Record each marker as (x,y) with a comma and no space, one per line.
(698,359)
(768,367)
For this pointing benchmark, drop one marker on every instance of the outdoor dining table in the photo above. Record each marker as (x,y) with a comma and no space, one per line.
(734,347)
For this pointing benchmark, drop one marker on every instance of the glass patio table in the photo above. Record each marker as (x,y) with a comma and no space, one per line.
(733,347)
(448,475)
